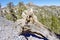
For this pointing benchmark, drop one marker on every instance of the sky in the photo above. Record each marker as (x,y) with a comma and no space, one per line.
(37,2)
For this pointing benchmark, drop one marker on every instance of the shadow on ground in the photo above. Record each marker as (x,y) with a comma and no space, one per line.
(29,34)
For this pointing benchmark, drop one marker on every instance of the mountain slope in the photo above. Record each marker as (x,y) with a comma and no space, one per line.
(47,15)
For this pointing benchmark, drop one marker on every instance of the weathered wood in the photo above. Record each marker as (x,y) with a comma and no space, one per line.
(36,27)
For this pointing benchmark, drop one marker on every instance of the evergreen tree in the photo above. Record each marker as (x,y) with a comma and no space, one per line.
(11,10)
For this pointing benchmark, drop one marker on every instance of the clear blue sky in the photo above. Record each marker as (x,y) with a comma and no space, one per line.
(37,2)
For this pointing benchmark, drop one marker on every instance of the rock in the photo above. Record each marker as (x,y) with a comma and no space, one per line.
(29,24)
(8,30)
(33,38)
(36,27)
(22,37)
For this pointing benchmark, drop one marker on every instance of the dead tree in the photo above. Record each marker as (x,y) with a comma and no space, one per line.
(36,27)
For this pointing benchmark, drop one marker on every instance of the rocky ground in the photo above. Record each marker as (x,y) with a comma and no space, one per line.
(23,29)
(10,31)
